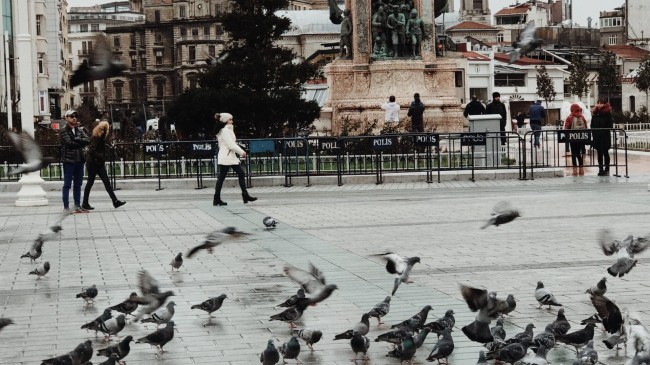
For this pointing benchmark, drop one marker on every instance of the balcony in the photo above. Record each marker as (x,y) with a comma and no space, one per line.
(200,38)
(84,52)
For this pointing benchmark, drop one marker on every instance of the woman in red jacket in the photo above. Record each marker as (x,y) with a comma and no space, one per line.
(575,122)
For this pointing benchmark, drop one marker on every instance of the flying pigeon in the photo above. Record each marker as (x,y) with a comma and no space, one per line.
(211,305)
(35,252)
(31,152)
(545,297)
(309,336)
(159,337)
(440,324)
(380,309)
(588,355)
(608,312)
(128,306)
(443,348)
(360,344)
(212,61)
(578,338)
(49,233)
(41,270)
(104,66)
(361,328)
(117,351)
(512,352)
(81,354)
(502,213)
(527,42)
(4,322)
(488,307)
(290,350)
(294,299)
(416,322)
(161,315)
(560,326)
(400,266)
(216,238)
(97,322)
(151,294)
(88,294)
(312,281)
(109,327)
(177,261)
(626,250)
(270,355)
(617,338)
(269,222)
(599,289)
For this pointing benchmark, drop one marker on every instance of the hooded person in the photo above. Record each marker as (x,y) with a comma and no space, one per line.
(602,120)
(575,122)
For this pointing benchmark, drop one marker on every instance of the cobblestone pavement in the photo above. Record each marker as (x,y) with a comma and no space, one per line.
(336,228)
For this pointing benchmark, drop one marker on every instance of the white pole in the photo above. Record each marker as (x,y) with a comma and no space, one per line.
(31,192)
(10,123)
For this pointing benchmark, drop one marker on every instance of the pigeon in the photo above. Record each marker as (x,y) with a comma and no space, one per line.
(626,250)
(440,324)
(151,294)
(35,252)
(416,322)
(539,358)
(502,213)
(407,349)
(578,338)
(599,289)
(270,355)
(608,313)
(96,323)
(359,344)
(31,153)
(395,336)
(112,360)
(104,65)
(419,340)
(519,337)
(109,327)
(640,358)
(546,339)
(309,336)
(177,261)
(269,222)
(41,270)
(293,300)
(638,335)
(617,338)
(443,348)
(545,297)
(512,304)
(161,315)
(216,238)
(560,326)
(488,307)
(380,309)
(527,42)
(4,322)
(290,350)
(481,358)
(211,305)
(400,266)
(88,294)
(312,281)
(361,328)
(593,319)
(290,315)
(588,355)
(511,353)
(497,331)
(78,356)
(210,60)
(119,350)
(128,306)
(159,337)
(48,234)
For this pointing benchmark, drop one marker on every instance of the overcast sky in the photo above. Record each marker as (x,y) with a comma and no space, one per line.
(582,9)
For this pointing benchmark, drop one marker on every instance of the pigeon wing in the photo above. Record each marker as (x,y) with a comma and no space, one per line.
(639,245)
(528,34)
(27,146)
(608,244)
(395,264)
(147,284)
(307,280)
(476,299)
(609,312)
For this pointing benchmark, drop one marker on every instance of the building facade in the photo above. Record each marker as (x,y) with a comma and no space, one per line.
(612,27)
(475,11)
(513,19)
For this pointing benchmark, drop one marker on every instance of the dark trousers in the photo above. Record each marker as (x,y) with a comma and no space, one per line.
(536,126)
(576,153)
(502,127)
(223,171)
(95,169)
(417,127)
(603,159)
(73,172)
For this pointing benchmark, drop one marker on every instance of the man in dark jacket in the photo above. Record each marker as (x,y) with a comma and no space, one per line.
(73,140)
(416,110)
(537,115)
(474,107)
(497,107)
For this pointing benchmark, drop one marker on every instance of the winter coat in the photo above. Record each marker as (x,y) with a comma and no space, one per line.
(415,112)
(96,150)
(72,146)
(392,111)
(228,147)
(537,113)
(497,107)
(474,107)
(602,118)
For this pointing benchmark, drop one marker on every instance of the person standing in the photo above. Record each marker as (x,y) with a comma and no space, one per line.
(227,158)
(392,110)
(73,140)
(521,120)
(497,107)
(474,107)
(602,139)
(96,164)
(537,114)
(416,110)
(576,121)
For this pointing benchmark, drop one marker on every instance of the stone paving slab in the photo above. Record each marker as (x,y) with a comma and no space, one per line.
(336,228)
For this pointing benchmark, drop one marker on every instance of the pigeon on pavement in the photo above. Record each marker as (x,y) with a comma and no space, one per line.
(112,360)
(41,270)
(626,250)
(49,233)
(119,350)
(4,322)
(546,338)
(608,312)
(360,344)
(588,354)
(419,340)
(293,300)
(88,294)
(309,336)
(216,238)
(561,325)
(527,42)
(519,337)
(361,328)
(211,305)
(290,350)
(151,294)
(578,338)
(177,261)
(31,153)
(395,336)
(128,306)
(161,315)
(545,297)
(96,323)
(270,355)
(159,337)
(416,322)
(638,334)
(269,222)
(443,348)
(400,266)
(512,304)
(104,65)
(292,314)
(380,309)
(78,356)
(539,357)
(498,332)
(599,289)
(488,307)
(502,213)
(440,324)
(109,327)
(511,353)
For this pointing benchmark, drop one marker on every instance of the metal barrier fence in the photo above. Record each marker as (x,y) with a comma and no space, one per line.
(426,153)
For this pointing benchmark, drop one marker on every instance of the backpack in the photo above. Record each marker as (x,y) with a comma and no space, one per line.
(578,123)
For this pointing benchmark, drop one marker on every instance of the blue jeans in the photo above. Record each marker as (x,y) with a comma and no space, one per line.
(537,128)
(72,172)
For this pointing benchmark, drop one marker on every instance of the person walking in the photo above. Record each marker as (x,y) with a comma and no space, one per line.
(227,158)
(497,107)
(96,164)
(73,140)
(602,139)
(474,107)
(416,110)
(576,121)
(537,114)
(392,110)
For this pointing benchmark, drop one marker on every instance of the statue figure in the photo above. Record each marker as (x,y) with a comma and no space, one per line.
(346,36)
(415,28)
(396,23)
(378,31)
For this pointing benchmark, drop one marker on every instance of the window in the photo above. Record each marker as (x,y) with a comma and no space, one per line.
(212,50)
(192,81)
(480,92)
(206,31)
(156,16)
(181,11)
(69,47)
(83,28)
(160,88)
(567,90)
(159,58)
(84,48)
(158,38)
(132,40)
(632,104)
(613,39)
(183,32)
(611,22)
(134,62)
(39,20)
(94,27)
(219,30)
(195,32)
(478,5)
(458,76)
(116,42)
(218,9)
(133,88)
(500,37)
(192,56)
(41,66)
(117,85)
(503,79)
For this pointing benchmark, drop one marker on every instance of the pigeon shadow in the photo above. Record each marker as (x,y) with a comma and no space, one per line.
(211,323)
(44,288)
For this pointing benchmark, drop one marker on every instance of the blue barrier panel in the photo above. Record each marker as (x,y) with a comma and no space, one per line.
(262,145)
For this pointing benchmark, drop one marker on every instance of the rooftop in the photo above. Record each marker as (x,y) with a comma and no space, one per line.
(472,26)
(519,9)
(522,61)
(628,52)
(475,56)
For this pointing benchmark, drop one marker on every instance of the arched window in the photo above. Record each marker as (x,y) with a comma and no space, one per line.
(632,104)
(192,80)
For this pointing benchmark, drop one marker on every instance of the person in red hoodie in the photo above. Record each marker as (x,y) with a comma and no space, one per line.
(602,139)
(576,121)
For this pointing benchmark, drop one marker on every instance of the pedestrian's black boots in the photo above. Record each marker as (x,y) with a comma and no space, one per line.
(247,198)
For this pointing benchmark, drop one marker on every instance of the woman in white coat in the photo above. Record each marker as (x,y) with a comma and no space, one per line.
(227,158)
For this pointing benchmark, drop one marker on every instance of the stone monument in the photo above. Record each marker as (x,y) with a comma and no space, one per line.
(387,62)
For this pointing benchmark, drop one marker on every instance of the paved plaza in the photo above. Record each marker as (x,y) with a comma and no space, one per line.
(337,229)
